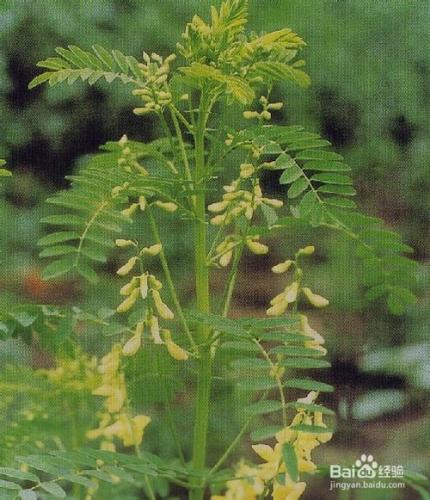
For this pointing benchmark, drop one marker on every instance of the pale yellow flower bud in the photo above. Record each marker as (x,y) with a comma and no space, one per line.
(231,187)
(278,309)
(309,399)
(132,345)
(174,350)
(266,115)
(124,243)
(309,331)
(161,307)
(155,330)
(184,97)
(249,212)
(273,202)
(282,267)
(246,170)
(232,195)
(249,115)
(160,79)
(218,220)
(129,302)
(143,286)
(278,298)
(256,247)
(153,250)
(314,299)
(166,205)
(309,250)
(291,292)
(128,212)
(123,141)
(141,111)
(276,106)
(129,287)
(225,259)
(154,283)
(142,203)
(218,206)
(127,267)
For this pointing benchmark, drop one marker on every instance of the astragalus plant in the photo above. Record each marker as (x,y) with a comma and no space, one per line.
(180,175)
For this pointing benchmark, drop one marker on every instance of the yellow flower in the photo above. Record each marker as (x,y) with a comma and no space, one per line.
(155,330)
(174,350)
(161,307)
(124,243)
(129,302)
(256,247)
(272,457)
(127,267)
(309,331)
(154,283)
(218,220)
(314,299)
(247,486)
(309,250)
(153,250)
(289,491)
(129,287)
(109,363)
(324,437)
(131,431)
(128,212)
(246,170)
(168,206)
(133,344)
(282,267)
(273,202)
(143,285)
(277,309)
(115,394)
(142,203)
(219,206)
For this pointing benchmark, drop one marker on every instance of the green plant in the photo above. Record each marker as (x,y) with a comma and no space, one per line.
(177,175)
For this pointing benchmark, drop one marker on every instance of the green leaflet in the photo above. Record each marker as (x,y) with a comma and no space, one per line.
(53,489)
(290,460)
(265,432)
(18,474)
(263,407)
(75,63)
(308,385)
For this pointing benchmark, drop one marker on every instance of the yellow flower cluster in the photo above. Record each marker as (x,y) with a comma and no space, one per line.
(115,421)
(73,374)
(236,202)
(273,473)
(265,114)
(128,159)
(155,94)
(279,304)
(146,287)
(224,251)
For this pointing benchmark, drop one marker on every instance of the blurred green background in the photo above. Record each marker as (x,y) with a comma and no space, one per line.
(370,67)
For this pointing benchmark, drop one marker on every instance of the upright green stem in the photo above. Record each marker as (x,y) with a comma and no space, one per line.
(202,299)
